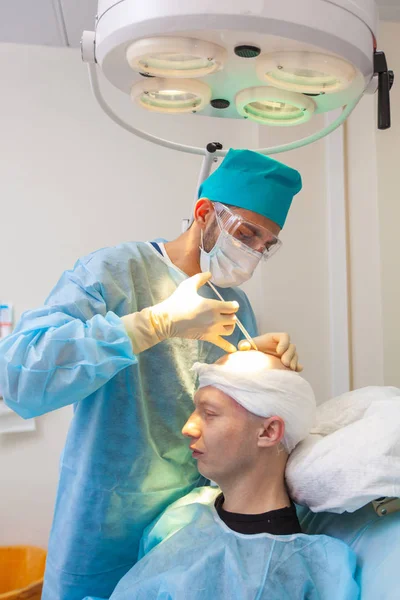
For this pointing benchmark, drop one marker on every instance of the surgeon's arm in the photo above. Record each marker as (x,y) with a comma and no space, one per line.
(64,351)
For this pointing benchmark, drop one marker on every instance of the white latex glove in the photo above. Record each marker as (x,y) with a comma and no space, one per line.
(277,344)
(184,314)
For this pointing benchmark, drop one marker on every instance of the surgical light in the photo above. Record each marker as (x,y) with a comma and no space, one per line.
(171,95)
(306,72)
(175,57)
(271,106)
(324,53)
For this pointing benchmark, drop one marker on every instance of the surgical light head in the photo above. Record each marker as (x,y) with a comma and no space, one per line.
(271,62)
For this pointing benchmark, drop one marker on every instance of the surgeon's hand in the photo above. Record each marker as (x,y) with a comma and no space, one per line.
(185,314)
(277,344)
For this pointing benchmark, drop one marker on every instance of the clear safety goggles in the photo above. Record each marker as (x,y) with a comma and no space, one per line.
(255,237)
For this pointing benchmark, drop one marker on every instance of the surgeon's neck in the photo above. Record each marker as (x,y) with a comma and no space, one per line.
(255,492)
(184,251)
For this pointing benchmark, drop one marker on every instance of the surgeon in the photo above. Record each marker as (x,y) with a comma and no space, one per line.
(242,541)
(117,338)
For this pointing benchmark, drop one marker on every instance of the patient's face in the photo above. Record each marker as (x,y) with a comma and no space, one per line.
(223,435)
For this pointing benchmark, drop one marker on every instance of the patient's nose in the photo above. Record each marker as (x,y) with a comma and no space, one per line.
(192,427)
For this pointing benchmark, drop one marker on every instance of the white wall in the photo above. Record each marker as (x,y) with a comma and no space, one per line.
(388,152)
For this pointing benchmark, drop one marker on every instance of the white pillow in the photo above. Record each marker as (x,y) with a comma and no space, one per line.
(352,456)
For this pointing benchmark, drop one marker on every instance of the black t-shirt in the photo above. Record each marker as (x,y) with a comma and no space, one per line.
(283,521)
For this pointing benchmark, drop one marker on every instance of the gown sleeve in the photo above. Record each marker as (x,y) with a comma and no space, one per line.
(66,350)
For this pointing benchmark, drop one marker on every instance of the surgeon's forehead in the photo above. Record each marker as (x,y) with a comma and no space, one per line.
(257,219)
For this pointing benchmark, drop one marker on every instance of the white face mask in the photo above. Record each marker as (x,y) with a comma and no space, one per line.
(230,262)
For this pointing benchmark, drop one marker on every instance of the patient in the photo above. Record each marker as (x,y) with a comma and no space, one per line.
(241,443)
(242,540)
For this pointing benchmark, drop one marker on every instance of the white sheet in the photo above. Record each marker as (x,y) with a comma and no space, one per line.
(352,455)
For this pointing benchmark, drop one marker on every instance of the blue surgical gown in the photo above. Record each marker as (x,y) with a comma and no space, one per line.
(374,539)
(190,553)
(125,459)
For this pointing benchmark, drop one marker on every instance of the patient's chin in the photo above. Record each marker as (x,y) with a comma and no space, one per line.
(202,469)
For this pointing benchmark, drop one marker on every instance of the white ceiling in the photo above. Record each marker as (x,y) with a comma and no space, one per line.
(46,22)
(61,22)
(78,16)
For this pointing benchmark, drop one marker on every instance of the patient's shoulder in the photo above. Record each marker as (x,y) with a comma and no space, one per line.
(178,515)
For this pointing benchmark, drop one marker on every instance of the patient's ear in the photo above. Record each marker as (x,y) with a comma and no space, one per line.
(271,433)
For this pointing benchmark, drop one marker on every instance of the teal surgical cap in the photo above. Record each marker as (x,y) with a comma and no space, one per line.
(250,180)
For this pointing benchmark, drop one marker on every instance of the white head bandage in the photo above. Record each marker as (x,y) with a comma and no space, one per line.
(266,392)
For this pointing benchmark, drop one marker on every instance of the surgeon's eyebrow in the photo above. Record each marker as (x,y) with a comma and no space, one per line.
(251,228)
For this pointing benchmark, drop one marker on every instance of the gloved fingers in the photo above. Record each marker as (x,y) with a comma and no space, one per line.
(269,343)
(293,362)
(227,320)
(229,329)
(229,308)
(225,328)
(289,355)
(197,281)
(224,308)
(221,325)
(295,365)
(283,343)
(277,344)
(221,343)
